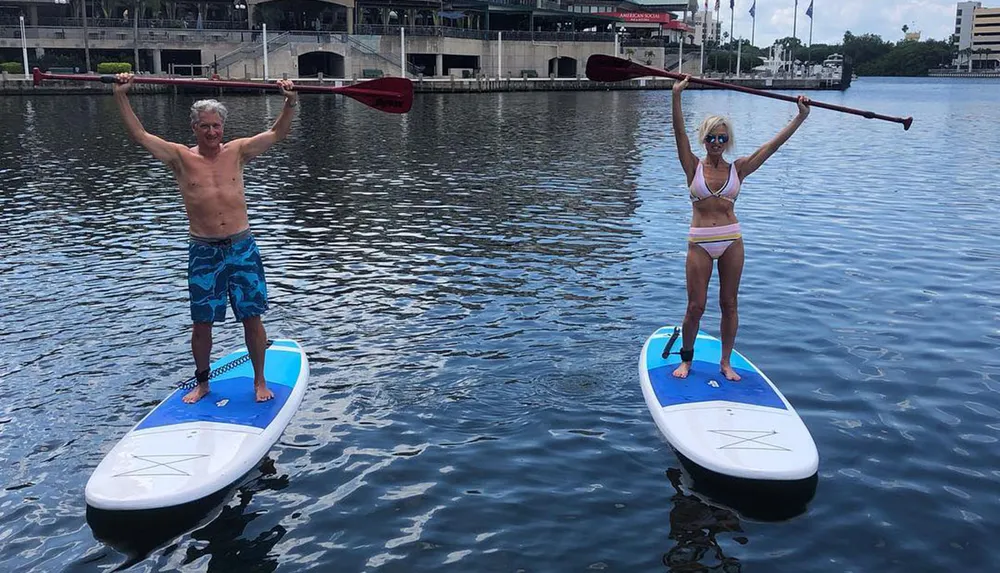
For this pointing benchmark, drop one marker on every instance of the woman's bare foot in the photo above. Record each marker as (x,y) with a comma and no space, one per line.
(729,373)
(263,394)
(682,370)
(197,394)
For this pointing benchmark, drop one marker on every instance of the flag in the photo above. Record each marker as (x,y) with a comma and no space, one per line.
(753,9)
(809,10)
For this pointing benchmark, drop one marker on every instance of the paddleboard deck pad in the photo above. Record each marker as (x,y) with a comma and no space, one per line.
(744,429)
(180,453)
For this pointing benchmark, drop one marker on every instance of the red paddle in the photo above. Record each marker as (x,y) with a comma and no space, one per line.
(602,68)
(392,95)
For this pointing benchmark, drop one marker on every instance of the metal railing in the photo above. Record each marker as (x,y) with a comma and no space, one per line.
(465,33)
(650,43)
(76,22)
(424,31)
(523,35)
(155,35)
(154,23)
(146,35)
(250,41)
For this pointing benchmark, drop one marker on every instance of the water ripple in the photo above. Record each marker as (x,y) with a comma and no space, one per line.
(473,282)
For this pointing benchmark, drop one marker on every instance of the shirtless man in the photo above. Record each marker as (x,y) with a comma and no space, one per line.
(223,260)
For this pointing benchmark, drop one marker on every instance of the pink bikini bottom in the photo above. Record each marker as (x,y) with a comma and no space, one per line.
(715,240)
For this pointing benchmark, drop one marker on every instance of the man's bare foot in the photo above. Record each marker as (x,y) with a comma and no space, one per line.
(197,394)
(263,393)
(682,370)
(729,373)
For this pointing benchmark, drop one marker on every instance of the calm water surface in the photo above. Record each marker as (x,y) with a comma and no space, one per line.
(474,282)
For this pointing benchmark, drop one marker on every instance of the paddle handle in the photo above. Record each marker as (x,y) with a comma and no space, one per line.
(834,107)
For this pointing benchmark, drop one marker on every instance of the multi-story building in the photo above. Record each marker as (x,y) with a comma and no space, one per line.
(706,28)
(977,31)
(963,23)
(337,38)
(986,38)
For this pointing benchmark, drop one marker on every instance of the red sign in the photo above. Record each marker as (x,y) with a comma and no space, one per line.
(642,17)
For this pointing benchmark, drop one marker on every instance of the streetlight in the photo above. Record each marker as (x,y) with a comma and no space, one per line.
(239,5)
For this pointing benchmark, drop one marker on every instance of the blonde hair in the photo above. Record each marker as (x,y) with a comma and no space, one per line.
(713,121)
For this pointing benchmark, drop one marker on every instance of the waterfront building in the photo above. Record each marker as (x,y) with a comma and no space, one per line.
(345,38)
(977,31)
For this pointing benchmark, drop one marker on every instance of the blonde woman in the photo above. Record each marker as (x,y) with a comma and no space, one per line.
(715,232)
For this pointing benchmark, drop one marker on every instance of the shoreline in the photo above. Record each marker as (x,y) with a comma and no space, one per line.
(25,87)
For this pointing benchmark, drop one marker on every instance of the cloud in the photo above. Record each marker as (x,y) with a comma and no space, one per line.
(777,18)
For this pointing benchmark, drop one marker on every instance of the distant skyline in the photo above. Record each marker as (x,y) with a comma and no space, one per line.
(932,18)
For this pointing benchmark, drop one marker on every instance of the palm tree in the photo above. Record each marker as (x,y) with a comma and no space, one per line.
(135,36)
(110,8)
(139,6)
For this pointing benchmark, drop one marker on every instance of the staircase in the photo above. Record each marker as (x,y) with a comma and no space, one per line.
(369,51)
(671,62)
(250,50)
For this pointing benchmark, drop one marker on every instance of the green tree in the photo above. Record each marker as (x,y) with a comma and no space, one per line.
(908,59)
(789,42)
(819,52)
(865,48)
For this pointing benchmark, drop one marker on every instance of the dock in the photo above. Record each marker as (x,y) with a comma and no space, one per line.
(18,85)
(489,85)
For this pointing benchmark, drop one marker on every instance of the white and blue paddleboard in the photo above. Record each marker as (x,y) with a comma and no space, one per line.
(744,429)
(181,453)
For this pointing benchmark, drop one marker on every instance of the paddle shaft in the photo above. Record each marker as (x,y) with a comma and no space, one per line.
(793,99)
(602,67)
(110,79)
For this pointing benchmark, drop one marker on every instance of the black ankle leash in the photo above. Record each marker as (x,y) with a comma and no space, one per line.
(686,355)
(205,375)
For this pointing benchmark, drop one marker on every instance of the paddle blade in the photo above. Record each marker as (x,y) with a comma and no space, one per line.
(391,95)
(602,68)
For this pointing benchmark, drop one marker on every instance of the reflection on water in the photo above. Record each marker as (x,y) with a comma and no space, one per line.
(217,521)
(694,526)
(224,536)
(473,283)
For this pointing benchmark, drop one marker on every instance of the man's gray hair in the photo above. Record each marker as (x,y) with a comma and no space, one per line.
(208,105)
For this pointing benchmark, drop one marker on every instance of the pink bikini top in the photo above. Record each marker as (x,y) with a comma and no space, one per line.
(700,191)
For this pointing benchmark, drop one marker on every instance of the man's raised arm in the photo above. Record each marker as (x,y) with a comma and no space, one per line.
(161,149)
(253,146)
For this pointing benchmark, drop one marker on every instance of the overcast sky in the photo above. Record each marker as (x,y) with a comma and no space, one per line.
(933,18)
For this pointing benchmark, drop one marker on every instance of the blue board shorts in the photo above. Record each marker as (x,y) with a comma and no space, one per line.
(221,269)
